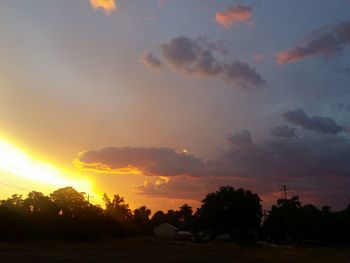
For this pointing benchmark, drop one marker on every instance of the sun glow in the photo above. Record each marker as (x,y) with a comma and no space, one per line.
(102,168)
(19,163)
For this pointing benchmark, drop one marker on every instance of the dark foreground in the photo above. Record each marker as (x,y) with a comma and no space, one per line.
(152,250)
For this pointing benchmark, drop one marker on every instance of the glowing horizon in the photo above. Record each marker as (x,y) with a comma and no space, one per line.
(21,164)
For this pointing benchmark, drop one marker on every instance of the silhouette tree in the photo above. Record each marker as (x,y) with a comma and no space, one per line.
(117,208)
(236,212)
(69,201)
(38,203)
(12,218)
(141,220)
(158,218)
(185,217)
(282,218)
(141,215)
(172,217)
(14,202)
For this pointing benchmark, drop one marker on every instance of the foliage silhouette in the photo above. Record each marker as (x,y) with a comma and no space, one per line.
(235,212)
(66,214)
(290,221)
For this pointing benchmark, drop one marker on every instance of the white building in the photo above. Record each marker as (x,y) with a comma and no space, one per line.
(165,231)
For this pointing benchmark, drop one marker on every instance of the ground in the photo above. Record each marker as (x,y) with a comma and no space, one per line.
(153,250)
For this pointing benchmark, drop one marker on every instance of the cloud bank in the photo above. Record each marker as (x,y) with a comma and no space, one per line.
(317,167)
(326,42)
(234,15)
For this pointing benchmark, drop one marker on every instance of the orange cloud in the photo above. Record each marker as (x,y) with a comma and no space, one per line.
(327,42)
(103,168)
(140,160)
(234,14)
(288,56)
(107,5)
(300,53)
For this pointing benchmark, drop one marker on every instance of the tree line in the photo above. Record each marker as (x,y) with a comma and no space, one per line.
(237,213)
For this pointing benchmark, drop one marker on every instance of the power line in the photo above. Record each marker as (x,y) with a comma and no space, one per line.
(15,187)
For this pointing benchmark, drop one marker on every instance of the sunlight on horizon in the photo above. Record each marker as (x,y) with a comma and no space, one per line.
(23,165)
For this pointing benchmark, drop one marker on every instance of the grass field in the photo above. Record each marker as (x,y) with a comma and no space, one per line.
(152,250)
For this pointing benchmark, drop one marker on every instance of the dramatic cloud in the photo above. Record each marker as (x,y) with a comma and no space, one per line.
(198,56)
(284,131)
(316,168)
(233,15)
(145,161)
(151,62)
(327,42)
(315,123)
(107,5)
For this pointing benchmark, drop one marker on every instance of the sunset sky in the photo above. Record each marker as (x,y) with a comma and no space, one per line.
(162,101)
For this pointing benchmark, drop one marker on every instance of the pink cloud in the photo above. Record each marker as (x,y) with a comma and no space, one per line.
(327,42)
(233,15)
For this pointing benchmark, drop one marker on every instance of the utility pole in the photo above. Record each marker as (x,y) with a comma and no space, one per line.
(88,198)
(284,190)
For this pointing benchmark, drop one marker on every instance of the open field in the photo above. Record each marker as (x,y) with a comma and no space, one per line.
(152,250)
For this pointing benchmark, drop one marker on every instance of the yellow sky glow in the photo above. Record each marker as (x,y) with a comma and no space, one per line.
(24,166)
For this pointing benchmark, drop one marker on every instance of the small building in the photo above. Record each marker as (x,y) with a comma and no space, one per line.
(165,231)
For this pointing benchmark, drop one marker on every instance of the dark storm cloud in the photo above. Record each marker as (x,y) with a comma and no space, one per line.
(316,123)
(203,58)
(273,158)
(283,131)
(147,161)
(310,165)
(328,42)
(150,61)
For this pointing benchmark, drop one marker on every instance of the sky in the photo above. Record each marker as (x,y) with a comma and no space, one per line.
(163,101)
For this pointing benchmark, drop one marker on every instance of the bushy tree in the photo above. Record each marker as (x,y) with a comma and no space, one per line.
(290,221)
(117,208)
(235,212)
(141,220)
(71,202)
(185,216)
